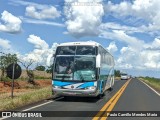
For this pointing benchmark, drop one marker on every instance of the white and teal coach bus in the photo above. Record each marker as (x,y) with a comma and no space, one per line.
(82,69)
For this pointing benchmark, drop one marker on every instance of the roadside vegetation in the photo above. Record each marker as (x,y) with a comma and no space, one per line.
(153,82)
(33,85)
(23,98)
(24,93)
(117,74)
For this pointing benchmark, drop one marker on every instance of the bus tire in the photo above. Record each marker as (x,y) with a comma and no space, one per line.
(65,97)
(111,84)
(100,96)
(110,89)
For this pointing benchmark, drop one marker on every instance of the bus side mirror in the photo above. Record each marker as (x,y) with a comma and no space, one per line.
(98,61)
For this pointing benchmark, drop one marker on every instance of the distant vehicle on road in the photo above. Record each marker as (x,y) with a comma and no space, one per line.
(129,76)
(124,76)
(82,69)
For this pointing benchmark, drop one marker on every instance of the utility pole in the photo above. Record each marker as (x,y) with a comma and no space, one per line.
(13,80)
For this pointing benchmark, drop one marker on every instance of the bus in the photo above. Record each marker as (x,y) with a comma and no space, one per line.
(82,69)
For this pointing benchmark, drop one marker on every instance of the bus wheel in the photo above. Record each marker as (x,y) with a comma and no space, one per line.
(111,84)
(65,97)
(110,89)
(100,96)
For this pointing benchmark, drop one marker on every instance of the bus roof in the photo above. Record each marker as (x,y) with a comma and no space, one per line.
(90,43)
(86,43)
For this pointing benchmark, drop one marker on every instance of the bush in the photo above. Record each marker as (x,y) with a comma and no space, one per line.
(6,79)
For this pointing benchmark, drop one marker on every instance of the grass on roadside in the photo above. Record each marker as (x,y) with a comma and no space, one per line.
(117,78)
(21,99)
(153,82)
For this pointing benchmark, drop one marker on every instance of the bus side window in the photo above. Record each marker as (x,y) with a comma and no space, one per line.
(100,52)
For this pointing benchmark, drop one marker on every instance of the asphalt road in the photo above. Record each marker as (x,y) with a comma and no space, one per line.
(137,97)
(134,96)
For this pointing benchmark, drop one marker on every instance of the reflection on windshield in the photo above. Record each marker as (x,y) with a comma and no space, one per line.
(86,50)
(76,50)
(84,68)
(66,50)
(75,68)
(64,64)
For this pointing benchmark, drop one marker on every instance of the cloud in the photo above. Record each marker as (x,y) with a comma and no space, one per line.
(38,11)
(41,53)
(138,16)
(112,47)
(128,58)
(147,12)
(123,37)
(140,59)
(43,22)
(21,2)
(132,41)
(121,9)
(155,45)
(48,12)
(83,18)
(5,44)
(10,23)
(136,54)
(27,3)
(152,59)
(115,26)
(38,42)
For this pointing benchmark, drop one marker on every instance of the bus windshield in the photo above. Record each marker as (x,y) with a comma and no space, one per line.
(75,68)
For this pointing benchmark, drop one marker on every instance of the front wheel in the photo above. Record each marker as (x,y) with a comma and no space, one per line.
(111,83)
(100,96)
(110,89)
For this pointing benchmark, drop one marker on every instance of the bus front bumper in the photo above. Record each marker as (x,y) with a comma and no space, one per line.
(75,92)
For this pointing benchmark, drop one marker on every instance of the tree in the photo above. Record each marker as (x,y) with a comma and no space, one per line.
(40,68)
(117,73)
(5,60)
(50,69)
(29,72)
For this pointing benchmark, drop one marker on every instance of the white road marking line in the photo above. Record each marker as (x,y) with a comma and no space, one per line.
(151,88)
(35,107)
(41,104)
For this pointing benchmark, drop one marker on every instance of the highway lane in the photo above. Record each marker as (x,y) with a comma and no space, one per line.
(137,97)
(78,104)
(132,96)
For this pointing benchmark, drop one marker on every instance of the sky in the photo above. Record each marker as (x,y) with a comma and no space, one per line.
(129,29)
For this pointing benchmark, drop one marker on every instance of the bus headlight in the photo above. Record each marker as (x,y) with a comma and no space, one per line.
(56,87)
(92,87)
